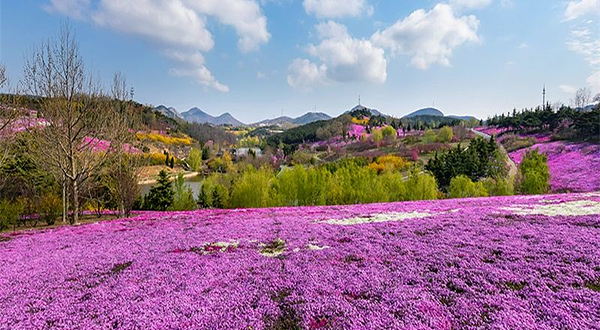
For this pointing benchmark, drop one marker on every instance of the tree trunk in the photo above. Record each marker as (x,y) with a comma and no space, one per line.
(64,201)
(75,219)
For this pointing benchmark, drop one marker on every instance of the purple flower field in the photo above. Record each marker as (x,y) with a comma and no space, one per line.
(573,167)
(523,262)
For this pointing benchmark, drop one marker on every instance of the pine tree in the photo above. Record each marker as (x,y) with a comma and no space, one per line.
(160,197)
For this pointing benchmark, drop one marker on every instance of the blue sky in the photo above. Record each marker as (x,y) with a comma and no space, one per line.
(256,59)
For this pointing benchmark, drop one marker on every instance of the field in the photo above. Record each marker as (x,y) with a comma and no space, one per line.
(573,166)
(527,262)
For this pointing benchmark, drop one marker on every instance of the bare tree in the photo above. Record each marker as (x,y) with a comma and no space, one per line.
(77,120)
(9,113)
(122,175)
(582,98)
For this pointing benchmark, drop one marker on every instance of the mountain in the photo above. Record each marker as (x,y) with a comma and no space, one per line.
(425,112)
(463,117)
(196,115)
(360,107)
(288,121)
(169,112)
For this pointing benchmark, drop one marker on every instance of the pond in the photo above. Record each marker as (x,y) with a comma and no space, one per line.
(193,182)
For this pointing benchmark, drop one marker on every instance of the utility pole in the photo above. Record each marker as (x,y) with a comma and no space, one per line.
(544,97)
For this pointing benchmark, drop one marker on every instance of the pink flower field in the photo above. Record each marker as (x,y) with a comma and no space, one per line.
(494,263)
(573,167)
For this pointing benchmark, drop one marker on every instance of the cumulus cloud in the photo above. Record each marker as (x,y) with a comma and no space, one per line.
(594,81)
(343,58)
(470,4)
(177,27)
(567,89)
(72,8)
(576,9)
(429,37)
(337,8)
(303,74)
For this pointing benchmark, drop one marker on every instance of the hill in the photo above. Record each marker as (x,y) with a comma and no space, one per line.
(425,112)
(196,115)
(414,265)
(362,108)
(168,112)
(285,121)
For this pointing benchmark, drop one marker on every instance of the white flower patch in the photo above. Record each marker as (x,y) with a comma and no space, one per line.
(379,217)
(314,247)
(573,208)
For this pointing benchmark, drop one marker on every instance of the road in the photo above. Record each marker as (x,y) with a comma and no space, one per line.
(512,172)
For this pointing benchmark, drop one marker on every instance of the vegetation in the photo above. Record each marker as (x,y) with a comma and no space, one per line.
(534,175)
(461,186)
(161,196)
(183,196)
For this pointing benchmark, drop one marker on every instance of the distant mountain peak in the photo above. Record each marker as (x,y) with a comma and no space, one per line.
(374,112)
(430,111)
(197,115)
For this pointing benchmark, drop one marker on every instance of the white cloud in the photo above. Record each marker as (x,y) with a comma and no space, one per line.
(594,81)
(584,43)
(568,89)
(176,27)
(429,37)
(73,8)
(523,45)
(337,8)
(260,75)
(303,74)
(470,4)
(343,58)
(576,9)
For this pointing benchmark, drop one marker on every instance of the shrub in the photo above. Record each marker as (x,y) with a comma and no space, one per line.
(195,159)
(534,175)
(163,139)
(299,186)
(461,187)
(376,135)
(252,189)
(445,134)
(389,133)
(429,136)
(183,198)
(10,213)
(213,193)
(498,186)
(160,197)
(421,186)
(389,163)
(50,208)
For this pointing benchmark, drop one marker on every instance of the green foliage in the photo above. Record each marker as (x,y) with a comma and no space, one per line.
(160,197)
(429,136)
(421,186)
(300,186)
(498,186)
(195,159)
(445,134)
(376,135)
(461,187)
(214,193)
(10,213)
(252,189)
(183,198)
(389,133)
(205,153)
(481,159)
(534,175)
(50,208)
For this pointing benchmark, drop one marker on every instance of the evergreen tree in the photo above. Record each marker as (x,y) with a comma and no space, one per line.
(160,197)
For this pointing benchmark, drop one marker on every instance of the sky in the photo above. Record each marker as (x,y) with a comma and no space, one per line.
(258,59)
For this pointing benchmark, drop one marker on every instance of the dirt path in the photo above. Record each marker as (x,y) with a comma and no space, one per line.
(513,167)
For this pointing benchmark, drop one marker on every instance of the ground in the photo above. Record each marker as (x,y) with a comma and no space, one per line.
(522,262)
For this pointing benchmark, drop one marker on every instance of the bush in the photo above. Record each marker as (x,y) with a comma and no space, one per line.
(213,193)
(50,208)
(195,159)
(445,134)
(389,133)
(376,135)
(389,163)
(421,186)
(299,186)
(183,199)
(252,189)
(534,175)
(461,187)
(498,186)
(10,213)
(429,136)
(160,197)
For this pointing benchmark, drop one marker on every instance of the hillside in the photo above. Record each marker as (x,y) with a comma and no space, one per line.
(425,112)
(196,115)
(449,264)
(285,121)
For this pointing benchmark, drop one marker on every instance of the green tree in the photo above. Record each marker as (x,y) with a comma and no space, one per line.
(195,159)
(461,187)
(389,133)
(301,186)
(10,213)
(445,134)
(429,136)
(252,189)
(376,135)
(534,175)
(160,197)
(421,186)
(499,186)
(205,153)
(183,198)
